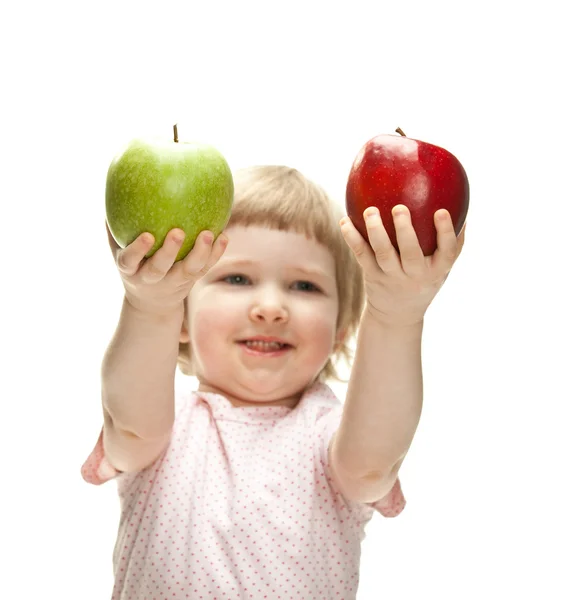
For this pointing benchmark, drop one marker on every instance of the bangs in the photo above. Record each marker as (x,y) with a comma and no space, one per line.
(281,198)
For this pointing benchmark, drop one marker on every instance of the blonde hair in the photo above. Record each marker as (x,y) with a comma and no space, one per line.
(281,198)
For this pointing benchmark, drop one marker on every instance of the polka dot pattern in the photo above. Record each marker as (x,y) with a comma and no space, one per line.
(240,505)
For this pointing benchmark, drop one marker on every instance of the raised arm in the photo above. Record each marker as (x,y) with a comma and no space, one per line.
(382,409)
(138,386)
(138,369)
(384,399)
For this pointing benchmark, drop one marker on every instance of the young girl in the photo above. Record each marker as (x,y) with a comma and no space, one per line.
(259,483)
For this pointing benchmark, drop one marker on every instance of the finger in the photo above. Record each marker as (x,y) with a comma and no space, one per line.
(129,259)
(386,256)
(411,254)
(192,269)
(217,251)
(157,266)
(447,250)
(195,263)
(197,267)
(359,246)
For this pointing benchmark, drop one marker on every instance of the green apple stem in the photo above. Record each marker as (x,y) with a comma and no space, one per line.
(400,132)
(175,136)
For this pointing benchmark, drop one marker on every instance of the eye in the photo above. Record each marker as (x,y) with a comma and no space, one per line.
(236,279)
(306,286)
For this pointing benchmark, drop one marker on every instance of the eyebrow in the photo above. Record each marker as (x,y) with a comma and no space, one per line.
(250,263)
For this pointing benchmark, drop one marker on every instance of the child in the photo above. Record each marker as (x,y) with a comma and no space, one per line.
(259,484)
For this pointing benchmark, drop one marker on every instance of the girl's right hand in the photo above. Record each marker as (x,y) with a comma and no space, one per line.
(158,285)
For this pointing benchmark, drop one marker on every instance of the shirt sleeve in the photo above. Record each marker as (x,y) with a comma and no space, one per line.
(393,503)
(97,469)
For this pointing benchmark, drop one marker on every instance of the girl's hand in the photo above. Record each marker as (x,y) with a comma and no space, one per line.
(158,285)
(401,286)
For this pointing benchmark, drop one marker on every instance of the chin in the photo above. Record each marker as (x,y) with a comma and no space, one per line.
(268,390)
(264,391)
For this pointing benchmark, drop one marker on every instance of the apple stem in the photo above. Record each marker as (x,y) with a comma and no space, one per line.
(175,136)
(400,132)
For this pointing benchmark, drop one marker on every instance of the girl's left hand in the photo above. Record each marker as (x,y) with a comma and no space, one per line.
(401,286)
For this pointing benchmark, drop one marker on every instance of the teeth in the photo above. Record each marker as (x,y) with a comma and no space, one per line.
(264,346)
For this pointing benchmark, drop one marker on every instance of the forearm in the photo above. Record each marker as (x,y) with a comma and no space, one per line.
(384,398)
(138,372)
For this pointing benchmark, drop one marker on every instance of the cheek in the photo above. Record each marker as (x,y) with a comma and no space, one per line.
(210,323)
(319,327)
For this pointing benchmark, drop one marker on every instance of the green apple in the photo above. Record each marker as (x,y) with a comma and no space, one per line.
(156,185)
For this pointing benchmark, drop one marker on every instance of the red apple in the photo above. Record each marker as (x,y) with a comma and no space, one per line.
(394,169)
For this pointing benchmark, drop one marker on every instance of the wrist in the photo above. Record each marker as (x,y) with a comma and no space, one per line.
(160,314)
(391,322)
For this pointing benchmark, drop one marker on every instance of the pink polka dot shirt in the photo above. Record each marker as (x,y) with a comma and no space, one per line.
(241,505)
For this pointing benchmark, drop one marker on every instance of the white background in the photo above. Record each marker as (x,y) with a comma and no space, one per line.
(306,84)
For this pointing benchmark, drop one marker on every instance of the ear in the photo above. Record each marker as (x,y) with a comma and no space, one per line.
(184,337)
(340,338)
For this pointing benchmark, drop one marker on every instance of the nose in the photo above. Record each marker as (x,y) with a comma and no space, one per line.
(269,306)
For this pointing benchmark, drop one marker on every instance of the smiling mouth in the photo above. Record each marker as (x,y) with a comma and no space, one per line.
(265,347)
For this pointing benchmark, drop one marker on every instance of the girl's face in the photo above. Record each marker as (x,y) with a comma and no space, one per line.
(268,284)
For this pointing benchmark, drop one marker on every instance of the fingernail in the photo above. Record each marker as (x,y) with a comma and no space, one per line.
(208,238)
(371,212)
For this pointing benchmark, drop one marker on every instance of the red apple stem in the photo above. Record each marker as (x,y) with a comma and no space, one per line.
(175,136)
(400,132)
